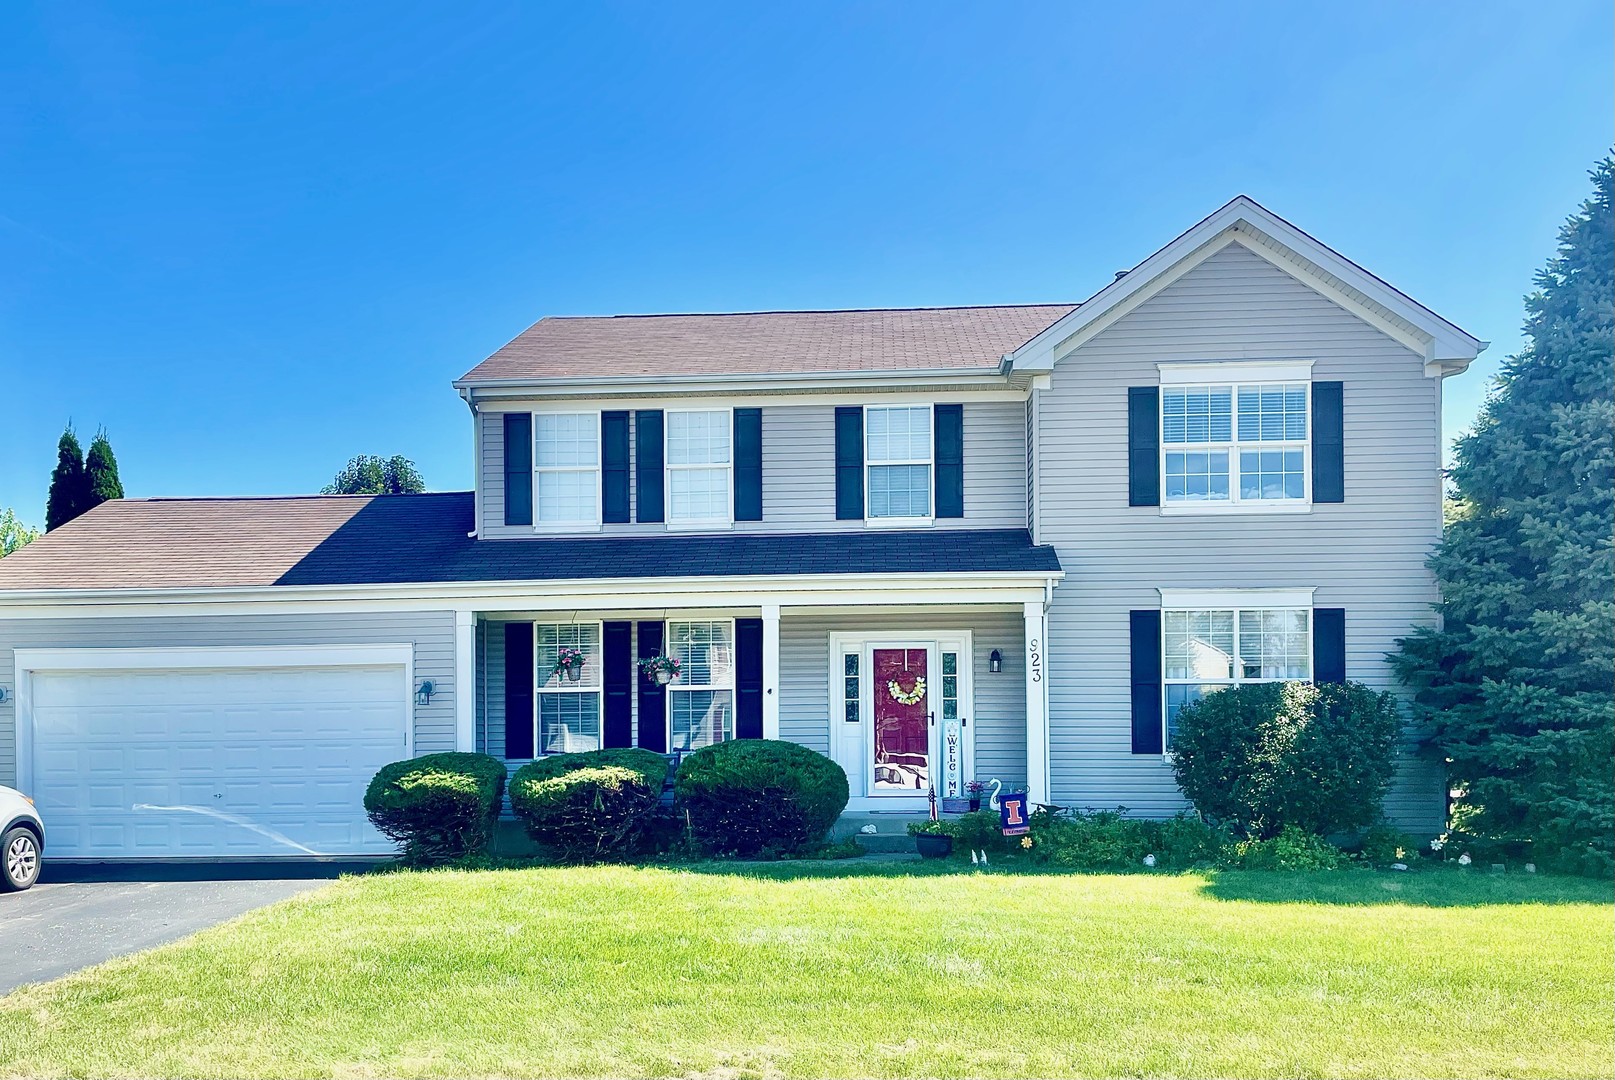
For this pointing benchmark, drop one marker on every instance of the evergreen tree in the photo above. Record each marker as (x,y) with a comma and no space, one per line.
(69,490)
(1517,684)
(367,474)
(101,472)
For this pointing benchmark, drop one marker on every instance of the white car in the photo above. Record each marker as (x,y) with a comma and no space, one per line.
(22,840)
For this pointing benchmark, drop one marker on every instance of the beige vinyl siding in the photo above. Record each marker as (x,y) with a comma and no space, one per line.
(431,632)
(799,472)
(1365,555)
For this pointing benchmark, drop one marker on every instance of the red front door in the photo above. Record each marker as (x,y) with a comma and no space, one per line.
(902,721)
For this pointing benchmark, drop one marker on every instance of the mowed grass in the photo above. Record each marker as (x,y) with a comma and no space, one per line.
(891,970)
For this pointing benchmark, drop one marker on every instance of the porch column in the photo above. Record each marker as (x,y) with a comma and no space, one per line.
(465,680)
(1037,707)
(770,671)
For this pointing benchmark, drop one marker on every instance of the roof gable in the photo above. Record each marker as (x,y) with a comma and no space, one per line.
(1445,347)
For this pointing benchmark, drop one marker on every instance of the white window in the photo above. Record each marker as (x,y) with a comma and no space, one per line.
(1242,444)
(566,464)
(897,456)
(567,705)
(701,703)
(698,467)
(1206,650)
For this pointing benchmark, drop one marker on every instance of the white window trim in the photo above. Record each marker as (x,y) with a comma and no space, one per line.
(599,474)
(697,524)
(569,688)
(1233,376)
(929,462)
(1244,600)
(678,685)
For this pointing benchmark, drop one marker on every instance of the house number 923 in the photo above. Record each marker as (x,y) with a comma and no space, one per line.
(1034,654)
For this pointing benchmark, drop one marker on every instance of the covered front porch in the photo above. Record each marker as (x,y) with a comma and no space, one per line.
(904,683)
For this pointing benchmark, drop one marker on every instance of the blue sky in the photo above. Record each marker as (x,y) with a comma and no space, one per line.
(252,240)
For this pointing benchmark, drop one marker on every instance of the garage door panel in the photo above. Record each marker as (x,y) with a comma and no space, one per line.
(249,762)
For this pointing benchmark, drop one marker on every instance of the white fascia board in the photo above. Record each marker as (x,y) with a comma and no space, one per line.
(1204,599)
(1442,343)
(213,657)
(650,385)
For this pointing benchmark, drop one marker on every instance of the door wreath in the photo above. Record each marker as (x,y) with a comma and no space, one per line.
(912,696)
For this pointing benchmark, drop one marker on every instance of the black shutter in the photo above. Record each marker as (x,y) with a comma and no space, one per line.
(949,439)
(518,469)
(648,464)
(617,648)
(849,462)
(1143,446)
(1145,637)
(614,466)
(1328,443)
(748,464)
(748,678)
(652,698)
(1329,645)
(519,677)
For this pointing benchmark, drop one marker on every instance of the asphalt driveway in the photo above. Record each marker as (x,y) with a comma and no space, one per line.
(81,915)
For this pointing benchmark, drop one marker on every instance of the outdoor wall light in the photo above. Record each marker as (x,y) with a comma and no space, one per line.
(995,662)
(424,692)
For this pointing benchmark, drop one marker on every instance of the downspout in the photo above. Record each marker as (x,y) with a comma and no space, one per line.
(476,462)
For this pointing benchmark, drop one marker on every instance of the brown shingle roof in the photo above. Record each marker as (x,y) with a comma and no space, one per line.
(768,342)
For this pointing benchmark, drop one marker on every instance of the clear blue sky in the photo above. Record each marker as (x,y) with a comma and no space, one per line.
(254,239)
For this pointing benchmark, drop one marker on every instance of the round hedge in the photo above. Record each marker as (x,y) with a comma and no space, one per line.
(437,806)
(754,796)
(591,806)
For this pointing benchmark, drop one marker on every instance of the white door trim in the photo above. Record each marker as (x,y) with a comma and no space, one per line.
(28,662)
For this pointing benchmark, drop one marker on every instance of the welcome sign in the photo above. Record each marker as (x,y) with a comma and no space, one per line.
(953,760)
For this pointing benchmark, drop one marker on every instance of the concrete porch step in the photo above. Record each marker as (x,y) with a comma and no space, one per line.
(890,835)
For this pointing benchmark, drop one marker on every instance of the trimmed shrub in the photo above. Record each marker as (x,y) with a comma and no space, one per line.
(1185,841)
(439,806)
(1382,845)
(1269,755)
(753,797)
(980,830)
(1292,849)
(589,807)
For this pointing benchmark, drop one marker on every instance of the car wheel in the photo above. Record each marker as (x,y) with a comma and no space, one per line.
(19,859)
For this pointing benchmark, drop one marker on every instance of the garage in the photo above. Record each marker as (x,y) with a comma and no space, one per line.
(210,753)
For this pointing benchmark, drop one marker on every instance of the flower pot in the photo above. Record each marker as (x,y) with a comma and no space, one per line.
(573,674)
(663,677)
(933,845)
(975,803)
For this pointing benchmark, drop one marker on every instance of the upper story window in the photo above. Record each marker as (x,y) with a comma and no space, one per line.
(699,467)
(1243,443)
(701,704)
(1206,650)
(566,463)
(898,459)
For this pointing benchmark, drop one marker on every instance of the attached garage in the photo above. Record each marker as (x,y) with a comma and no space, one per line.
(210,752)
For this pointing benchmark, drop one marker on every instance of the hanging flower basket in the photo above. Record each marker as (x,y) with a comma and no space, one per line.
(569,664)
(660,669)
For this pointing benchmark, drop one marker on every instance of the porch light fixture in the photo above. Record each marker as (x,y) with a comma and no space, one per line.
(995,662)
(424,692)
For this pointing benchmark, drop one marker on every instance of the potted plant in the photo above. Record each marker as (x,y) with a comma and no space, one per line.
(568,663)
(660,669)
(974,790)
(931,839)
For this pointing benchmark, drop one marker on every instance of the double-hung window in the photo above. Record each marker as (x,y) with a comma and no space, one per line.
(699,467)
(567,668)
(1237,444)
(898,457)
(701,704)
(566,464)
(1206,650)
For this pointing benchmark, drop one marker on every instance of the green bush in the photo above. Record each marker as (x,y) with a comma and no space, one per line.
(439,806)
(1382,845)
(1265,756)
(1292,849)
(1110,840)
(589,807)
(980,830)
(753,797)
(1185,841)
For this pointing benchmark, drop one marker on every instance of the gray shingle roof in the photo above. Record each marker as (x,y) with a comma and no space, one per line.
(768,343)
(407,539)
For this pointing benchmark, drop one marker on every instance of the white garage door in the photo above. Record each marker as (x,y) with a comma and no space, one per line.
(228,761)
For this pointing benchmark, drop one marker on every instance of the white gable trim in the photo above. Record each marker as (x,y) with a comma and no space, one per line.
(1445,347)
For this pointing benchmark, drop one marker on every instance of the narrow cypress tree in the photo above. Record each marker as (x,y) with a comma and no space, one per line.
(68,486)
(101,472)
(1518,685)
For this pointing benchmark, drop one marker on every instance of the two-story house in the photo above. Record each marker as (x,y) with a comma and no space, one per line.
(933,544)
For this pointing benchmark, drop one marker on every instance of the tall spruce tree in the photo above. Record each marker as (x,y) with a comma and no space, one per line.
(69,487)
(1519,683)
(101,472)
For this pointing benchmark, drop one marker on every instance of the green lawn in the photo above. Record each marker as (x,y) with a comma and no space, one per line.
(857,969)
